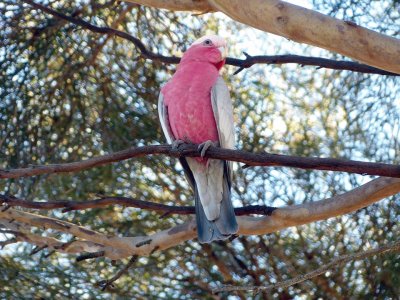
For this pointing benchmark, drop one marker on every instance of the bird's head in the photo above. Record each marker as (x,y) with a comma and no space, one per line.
(209,48)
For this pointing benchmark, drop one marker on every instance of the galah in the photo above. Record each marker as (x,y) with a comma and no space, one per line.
(195,107)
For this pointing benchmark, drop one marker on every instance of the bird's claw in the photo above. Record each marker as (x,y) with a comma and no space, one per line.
(203,147)
(175,144)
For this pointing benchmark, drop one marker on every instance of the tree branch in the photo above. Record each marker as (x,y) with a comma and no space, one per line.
(90,255)
(121,247)
(70,205)
(8,242)
(340,261)
(241,63)
(114,247)
(319,62)
(73,247)
(302,25)
(178,5)
(104,284)
(190,150)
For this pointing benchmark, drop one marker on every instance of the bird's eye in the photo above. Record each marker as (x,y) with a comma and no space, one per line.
(207,42)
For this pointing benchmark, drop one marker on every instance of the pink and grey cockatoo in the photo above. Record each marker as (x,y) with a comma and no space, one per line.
(195,107)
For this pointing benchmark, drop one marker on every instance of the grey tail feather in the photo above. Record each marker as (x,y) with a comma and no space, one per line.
(221,228)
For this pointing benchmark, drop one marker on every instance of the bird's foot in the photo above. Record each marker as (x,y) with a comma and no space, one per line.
(203,147)
(176,143)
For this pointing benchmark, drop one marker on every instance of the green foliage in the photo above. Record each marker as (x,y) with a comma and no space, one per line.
(68,94)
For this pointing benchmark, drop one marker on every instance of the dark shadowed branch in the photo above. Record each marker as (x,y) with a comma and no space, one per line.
(69,205)
(247,158)
(240,63)
(90,255)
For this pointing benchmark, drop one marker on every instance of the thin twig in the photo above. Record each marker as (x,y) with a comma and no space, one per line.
(104,284)
(191,150)
(340,261)
(37,249)
(70,205)
(241,63)
(90,255)
(49,254)
(8,242)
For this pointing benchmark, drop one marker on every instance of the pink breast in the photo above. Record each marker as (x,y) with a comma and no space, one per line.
(193,119)
(188,99)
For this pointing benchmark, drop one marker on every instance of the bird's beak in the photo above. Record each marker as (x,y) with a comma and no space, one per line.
(223,51)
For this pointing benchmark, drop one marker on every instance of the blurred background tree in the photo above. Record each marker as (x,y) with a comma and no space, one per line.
(68,94)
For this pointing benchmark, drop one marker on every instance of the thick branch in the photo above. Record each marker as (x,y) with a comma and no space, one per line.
(248,158)
(70,205)
(178,5)
(295,215)
(340,261)
(241,63)
(280,218)
(304,26)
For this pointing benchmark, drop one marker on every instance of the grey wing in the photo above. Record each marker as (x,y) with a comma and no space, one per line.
(166,128)
(223,114)
(163,115)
